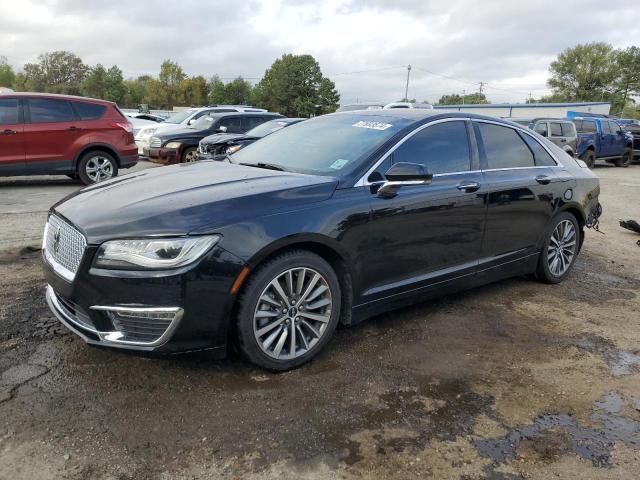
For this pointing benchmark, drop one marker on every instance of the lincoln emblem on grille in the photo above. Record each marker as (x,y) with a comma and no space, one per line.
(56,240)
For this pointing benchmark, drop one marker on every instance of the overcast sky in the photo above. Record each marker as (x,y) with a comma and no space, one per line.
(363,46)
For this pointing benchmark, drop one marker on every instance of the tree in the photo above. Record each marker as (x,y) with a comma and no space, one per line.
(328,96)
(216,91)
(115,90)
(171,75)
(237,92)
(586,72)
(55,72)
(194,91)
(135,91)
(292,86)
(94,84)
(7,75)
(628,81)
(471,99)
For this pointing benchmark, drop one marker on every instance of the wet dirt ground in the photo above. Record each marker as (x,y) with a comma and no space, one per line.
(514,380)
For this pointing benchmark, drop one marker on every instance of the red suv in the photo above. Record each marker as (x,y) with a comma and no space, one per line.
(46,134)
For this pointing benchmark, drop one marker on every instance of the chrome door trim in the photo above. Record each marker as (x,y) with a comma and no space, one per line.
(362,182)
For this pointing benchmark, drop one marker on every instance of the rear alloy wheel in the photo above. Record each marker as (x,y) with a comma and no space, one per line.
(190,155)
(625,160)
(288,311)
(97,167)
(589,157)
(560,249)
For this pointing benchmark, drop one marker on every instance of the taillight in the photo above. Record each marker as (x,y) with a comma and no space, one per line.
(127,127)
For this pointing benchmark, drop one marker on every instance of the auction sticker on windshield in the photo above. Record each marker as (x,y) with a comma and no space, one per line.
(338,164)
(372,125)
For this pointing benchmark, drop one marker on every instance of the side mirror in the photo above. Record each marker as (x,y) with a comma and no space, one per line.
(191,122)
(222,129)
(403,174)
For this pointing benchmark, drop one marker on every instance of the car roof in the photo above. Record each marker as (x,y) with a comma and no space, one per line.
(421,114)
(56,95)
(246,114)
(551,119)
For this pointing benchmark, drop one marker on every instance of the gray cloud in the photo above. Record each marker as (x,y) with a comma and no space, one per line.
(508,44)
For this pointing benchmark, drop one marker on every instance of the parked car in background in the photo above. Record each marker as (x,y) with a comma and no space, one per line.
(360,106)
(333,220)
(392,105)
(628,121)
(227,143)
(561,132)
(185,118)
(634,130)
(47,134)
(147,116)
(603,139)
(181,145)
(139,123)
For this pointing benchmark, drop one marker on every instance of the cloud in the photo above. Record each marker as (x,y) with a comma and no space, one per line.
(363,46)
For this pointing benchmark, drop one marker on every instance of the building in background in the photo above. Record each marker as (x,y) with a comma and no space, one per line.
(532,110)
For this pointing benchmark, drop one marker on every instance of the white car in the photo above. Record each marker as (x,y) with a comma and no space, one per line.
(389,106)
(182,119)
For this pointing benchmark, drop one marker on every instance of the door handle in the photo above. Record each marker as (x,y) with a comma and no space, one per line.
(563,140)
(543,179)
(74,128)
(8,132)
(468,187)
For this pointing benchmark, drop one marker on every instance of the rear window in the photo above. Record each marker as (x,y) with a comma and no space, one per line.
(48,110)
(556,129)
(585,126)
(8,111)
(89,111)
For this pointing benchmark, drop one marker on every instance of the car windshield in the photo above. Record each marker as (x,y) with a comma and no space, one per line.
(329,145)
(180,116)
(266,128)
(203,123)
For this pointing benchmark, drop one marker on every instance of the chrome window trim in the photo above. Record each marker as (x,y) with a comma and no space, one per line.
(362,182)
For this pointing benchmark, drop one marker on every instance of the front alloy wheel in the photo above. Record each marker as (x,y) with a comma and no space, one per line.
(292,313)
(288,310)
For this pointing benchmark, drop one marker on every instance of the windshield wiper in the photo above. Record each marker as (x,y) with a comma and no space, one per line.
(229,159)
(268,166)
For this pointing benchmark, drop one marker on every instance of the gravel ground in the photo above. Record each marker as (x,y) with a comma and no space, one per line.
(510,381)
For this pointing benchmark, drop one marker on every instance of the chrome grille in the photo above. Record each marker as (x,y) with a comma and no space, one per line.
(141,326)
(155,142)
(64,246)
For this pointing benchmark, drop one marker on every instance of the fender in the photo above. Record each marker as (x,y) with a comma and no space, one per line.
(91,146)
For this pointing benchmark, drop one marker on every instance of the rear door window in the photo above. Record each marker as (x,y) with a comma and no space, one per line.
(48,110)
(568,129)
(541,128)
(542,157)
(605,128)
(441,148)
(504,148)
(9,111)
(254,121)
(89,111)
(556,129)
(585,126)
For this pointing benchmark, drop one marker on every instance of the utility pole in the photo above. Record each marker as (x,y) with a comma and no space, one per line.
(482,84)
(464,94)
(406,88)
(529,97)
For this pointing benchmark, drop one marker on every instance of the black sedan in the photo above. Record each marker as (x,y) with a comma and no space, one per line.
(181,145)
(220,144)
(330,221)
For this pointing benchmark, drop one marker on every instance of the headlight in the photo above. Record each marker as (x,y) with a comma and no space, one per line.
(233,149)
(173,145)
(153,253)
(147,132)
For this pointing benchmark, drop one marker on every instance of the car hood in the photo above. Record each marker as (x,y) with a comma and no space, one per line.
(223,138)
(194,198)
(180,132)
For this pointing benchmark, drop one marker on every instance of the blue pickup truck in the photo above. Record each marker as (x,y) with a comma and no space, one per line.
(603,139)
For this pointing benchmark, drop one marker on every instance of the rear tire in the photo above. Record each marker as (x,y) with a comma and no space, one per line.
(294,296)
(625,160)
(559,250)
(589,157)
(97,166)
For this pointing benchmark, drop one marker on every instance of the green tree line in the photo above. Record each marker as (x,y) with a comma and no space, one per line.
(294,85)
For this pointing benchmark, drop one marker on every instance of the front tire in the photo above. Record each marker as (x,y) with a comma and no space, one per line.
(589,157)
(288,310)
(625,160)
(97,166)
(560,249)
(190,155)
